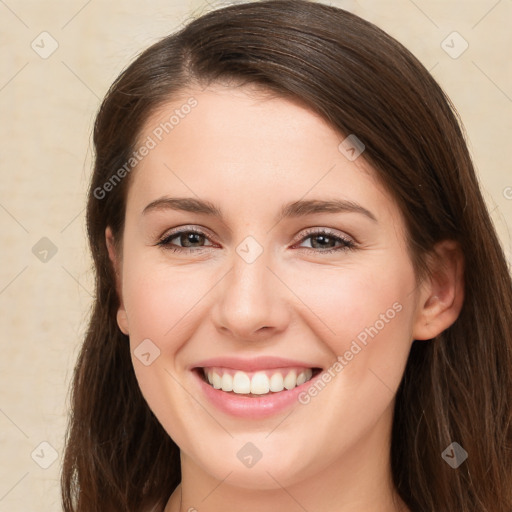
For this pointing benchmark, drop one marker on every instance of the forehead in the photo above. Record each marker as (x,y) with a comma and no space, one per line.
(251,149)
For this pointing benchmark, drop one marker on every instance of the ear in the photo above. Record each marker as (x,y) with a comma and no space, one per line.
(122,318)
(442,294)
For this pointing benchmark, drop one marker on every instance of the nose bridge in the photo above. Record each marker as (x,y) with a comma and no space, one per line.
(250,297)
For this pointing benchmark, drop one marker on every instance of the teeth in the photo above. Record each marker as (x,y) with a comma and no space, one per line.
(241,383)
(227,382)
(217,382)
(290,381)
(260,383)
(301,378)
(276,382)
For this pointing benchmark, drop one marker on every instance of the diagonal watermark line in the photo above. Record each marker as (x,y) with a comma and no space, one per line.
(381,380)
(72,220)
(300,300)
(80,79)
(220,279)
(433,67)
(14,76)
(304,195)
(13,279)
(198,402)
(165,165)
(281,422)
(287,492)
(14,486)
(76,280)
(494,209)
(76,14)
(491,80)
(15,424)
(217,486)
(13,13)
(424,13)
(486,14)
(13,217)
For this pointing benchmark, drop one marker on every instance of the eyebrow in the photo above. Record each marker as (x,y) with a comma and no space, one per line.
(300,208)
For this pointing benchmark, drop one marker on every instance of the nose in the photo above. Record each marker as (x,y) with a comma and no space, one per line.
(251,302)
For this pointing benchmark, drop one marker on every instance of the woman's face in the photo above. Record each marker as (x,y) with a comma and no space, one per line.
(297,263)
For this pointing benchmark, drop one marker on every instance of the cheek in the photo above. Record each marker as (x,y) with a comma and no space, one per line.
(364,315)
(347,300)
(163,305)
(158,298)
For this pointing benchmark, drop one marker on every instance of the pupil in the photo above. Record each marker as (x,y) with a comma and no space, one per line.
(324,238)
(189,238)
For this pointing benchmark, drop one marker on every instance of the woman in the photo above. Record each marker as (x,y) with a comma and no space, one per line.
(301,301)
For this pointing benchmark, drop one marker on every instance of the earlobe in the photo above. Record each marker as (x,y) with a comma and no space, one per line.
(442,296)
(122,318)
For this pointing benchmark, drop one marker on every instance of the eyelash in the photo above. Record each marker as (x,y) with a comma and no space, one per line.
(347,243)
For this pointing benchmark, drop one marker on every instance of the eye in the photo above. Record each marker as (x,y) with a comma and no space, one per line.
(189,239)
(321,240)
(324,241)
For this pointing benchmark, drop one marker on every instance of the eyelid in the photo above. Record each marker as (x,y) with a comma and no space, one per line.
(328,231)
(186,229)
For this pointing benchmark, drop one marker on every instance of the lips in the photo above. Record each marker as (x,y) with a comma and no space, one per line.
(255,387)
(253,364)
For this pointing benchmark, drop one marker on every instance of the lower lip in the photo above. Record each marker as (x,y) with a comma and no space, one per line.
(252,407)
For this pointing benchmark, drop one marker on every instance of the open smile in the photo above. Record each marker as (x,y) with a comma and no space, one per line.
(253,388)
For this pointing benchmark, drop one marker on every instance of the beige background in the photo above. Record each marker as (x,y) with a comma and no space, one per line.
(48,105)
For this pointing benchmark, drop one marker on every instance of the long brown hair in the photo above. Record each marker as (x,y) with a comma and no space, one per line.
(456,387)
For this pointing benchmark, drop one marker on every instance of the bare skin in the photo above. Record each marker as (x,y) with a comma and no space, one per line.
(250,156)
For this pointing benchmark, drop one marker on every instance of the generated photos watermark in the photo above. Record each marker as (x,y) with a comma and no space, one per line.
(144,149)
(357,345)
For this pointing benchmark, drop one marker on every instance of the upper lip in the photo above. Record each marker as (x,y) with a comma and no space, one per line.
(252,364)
